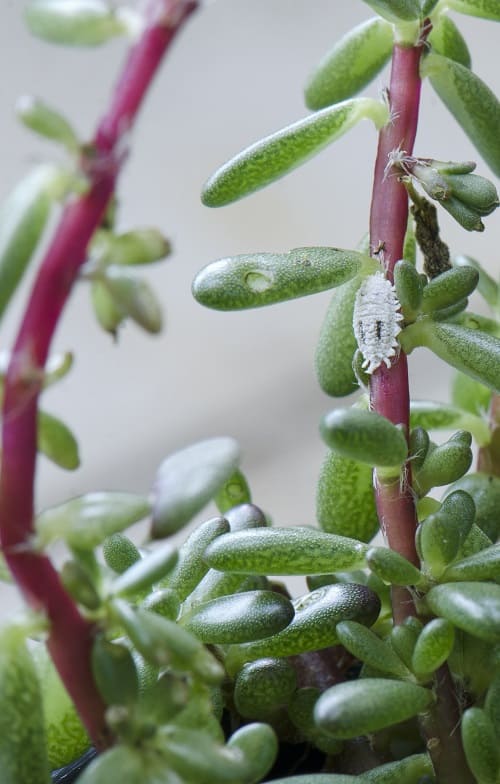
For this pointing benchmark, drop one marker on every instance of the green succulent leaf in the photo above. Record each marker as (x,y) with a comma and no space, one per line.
(414,769)
(234,492)
(409,288)
(164,602)
(369,704)
(145,572)
(320,778)
(131,297)
(472,103)
(442,416)
(403,639)
(129,763)
(471,351)
(392,567)
(258,745)
(396,10)
(80,585)
(67,738)
(79,23)
(446,39)
(484,565)
(433,646)
(262,686)
(345,502)
(120,552)
(364,644)
(276,155)
(187,480)
(313,625)
(163,642)
(22,726)
(252,281)
(23,217)
(365,436)
(46,122)
(109,316)
(473,607)
(85,522)
(445,463)
(480,745)
(241,617)
(486,9)
(352,63)
(133,248)
(283,551)
(191,566)
(57,442)
(492,703)
(337,343)
(114,672)
(448,288)
(484,489)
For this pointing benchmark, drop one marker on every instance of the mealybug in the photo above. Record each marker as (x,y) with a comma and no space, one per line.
(376,321)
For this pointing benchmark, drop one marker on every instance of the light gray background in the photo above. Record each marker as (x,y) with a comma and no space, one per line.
(235,74)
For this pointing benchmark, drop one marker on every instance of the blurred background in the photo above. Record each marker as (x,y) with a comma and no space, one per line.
(234,74)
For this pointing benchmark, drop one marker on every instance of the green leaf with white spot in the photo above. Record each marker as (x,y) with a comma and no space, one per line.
(276,155)
(352,63)
(255,280)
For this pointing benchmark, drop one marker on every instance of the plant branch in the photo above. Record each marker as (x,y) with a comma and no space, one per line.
(389,390)
(70,636)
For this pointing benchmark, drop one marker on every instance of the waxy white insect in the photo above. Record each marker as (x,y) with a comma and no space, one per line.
(376,321)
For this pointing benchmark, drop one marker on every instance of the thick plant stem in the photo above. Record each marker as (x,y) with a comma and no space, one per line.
(389,391)
(70,636)
(488,458)
(389,396)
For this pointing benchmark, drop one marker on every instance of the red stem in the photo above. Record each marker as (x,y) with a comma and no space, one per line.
(389,390)
(70,637)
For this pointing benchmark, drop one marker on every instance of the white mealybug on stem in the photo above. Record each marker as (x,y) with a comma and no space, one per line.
(376,321)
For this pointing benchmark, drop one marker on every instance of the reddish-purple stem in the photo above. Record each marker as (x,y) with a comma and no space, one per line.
(389,390)
(70,636)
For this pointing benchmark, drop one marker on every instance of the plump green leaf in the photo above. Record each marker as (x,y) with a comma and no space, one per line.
(471,351)
(132,297)
(492,703)
(191,566)
(396,10)
(480,745)
(313,626)
(301,713)
(125,763)
(258,745)
(275,155)
(78,23)
(67,738)
(23,217)
(365,436)
(433,646)
(46,121)
(163,642)
(133,248)
(449,287)
(234,492)
(120,552)
(262,686)
(484,489)
(241,617)
(251,281)
(245,516)
(484,565)
(409,288)
(472,103)
(352,63)
(442,416)
(345,502)
(114,672)
(282,551)
(446,39)
(470,395)
(369,704)
(187,480)
(337,343)
(57,442)
(445,463)
(392,567)
(403,639)
(107,313)
(320,778)
(415,769)
(84,522)
(78,582)
(23,750)
(145,572)
(487,9)
(364,644)
(473,607)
